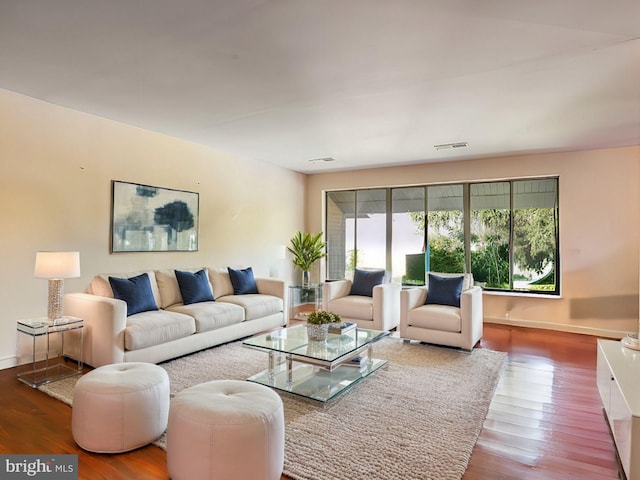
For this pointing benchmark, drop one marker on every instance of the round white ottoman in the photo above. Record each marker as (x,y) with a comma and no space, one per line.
(120,407)
(226,429)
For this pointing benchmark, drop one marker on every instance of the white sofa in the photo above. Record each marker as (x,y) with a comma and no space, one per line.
(175,329)
(443,324)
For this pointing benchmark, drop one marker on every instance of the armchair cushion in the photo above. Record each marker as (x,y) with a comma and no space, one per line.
(365,280)
(351,307)
(194,287)
(444,291)
(436,317)
(135,291)
(243,281)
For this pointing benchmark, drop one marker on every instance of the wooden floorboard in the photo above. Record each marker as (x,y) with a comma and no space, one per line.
(544,423)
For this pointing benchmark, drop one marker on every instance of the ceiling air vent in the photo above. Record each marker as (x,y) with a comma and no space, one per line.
(445,146)
(325,159)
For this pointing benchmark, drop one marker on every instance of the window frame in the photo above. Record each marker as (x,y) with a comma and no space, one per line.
(466,189)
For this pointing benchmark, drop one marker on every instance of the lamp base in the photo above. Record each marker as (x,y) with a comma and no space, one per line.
(631,341)
(56,287)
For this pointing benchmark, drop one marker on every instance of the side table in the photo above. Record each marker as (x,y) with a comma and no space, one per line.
(59,336)
(303,300)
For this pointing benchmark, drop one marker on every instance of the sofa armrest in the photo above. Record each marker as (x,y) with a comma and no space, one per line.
(333,290)
(272,286)
(276,288)
(386,306)
(105,320)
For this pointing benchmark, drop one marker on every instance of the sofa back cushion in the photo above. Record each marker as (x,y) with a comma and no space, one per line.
(220,282)
(168,287)
(100,284)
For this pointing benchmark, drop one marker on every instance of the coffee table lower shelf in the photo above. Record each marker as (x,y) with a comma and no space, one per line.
(315,382)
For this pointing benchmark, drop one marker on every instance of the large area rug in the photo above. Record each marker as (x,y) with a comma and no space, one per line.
(417,418)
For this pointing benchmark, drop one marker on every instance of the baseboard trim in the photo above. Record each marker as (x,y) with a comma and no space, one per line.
(598,332)
(8,362)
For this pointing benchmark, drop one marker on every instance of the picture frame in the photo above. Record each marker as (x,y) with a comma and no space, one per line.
(146,218)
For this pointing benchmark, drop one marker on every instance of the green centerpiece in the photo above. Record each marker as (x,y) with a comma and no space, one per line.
(318,324)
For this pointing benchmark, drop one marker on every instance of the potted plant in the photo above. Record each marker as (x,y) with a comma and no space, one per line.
(318,324)
(306,249)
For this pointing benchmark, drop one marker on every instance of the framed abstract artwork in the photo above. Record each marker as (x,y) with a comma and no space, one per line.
(145,218)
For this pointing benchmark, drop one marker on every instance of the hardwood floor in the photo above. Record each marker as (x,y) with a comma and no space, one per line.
(545,421)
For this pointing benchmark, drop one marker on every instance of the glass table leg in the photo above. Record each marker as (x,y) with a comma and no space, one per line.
(272,361)
(289,371)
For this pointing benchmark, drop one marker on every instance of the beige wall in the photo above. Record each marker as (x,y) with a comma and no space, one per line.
(55,192)
(599,208)
(56,167)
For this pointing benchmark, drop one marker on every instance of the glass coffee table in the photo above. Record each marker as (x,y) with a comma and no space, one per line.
(316,370)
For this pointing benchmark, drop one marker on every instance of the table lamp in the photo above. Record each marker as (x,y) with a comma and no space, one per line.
(55,267)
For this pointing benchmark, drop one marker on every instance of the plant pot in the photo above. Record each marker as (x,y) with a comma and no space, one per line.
(317,333)
(306,278)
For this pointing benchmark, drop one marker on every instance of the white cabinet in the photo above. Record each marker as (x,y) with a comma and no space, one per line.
(618,376)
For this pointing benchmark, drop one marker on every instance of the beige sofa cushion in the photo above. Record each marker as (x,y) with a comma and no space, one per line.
(220,282)
(153,328)
(436,317)
(168,286)
(255,305)
(353,306)
(211,315)
(100,284)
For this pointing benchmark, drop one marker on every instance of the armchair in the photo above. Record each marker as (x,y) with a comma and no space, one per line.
(442,324)
(378,311)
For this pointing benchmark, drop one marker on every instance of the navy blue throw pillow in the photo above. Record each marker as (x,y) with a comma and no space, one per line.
(444,290)
(136,291)
(365,280)
(243,281)
(194,287)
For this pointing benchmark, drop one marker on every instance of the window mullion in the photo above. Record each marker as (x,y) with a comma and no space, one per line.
(389,224)
(355,229)
(427,251)
(466,220)
(511,223)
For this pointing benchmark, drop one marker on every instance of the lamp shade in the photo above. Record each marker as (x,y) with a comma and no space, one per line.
(53,265)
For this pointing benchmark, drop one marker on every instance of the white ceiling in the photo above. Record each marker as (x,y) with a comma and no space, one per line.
(367,82)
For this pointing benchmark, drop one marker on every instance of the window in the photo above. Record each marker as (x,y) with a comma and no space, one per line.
(340,207)
(370,224)
(356,231)
(445,234)
(490,227)
(535,235)
(407,235)
(504,232)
